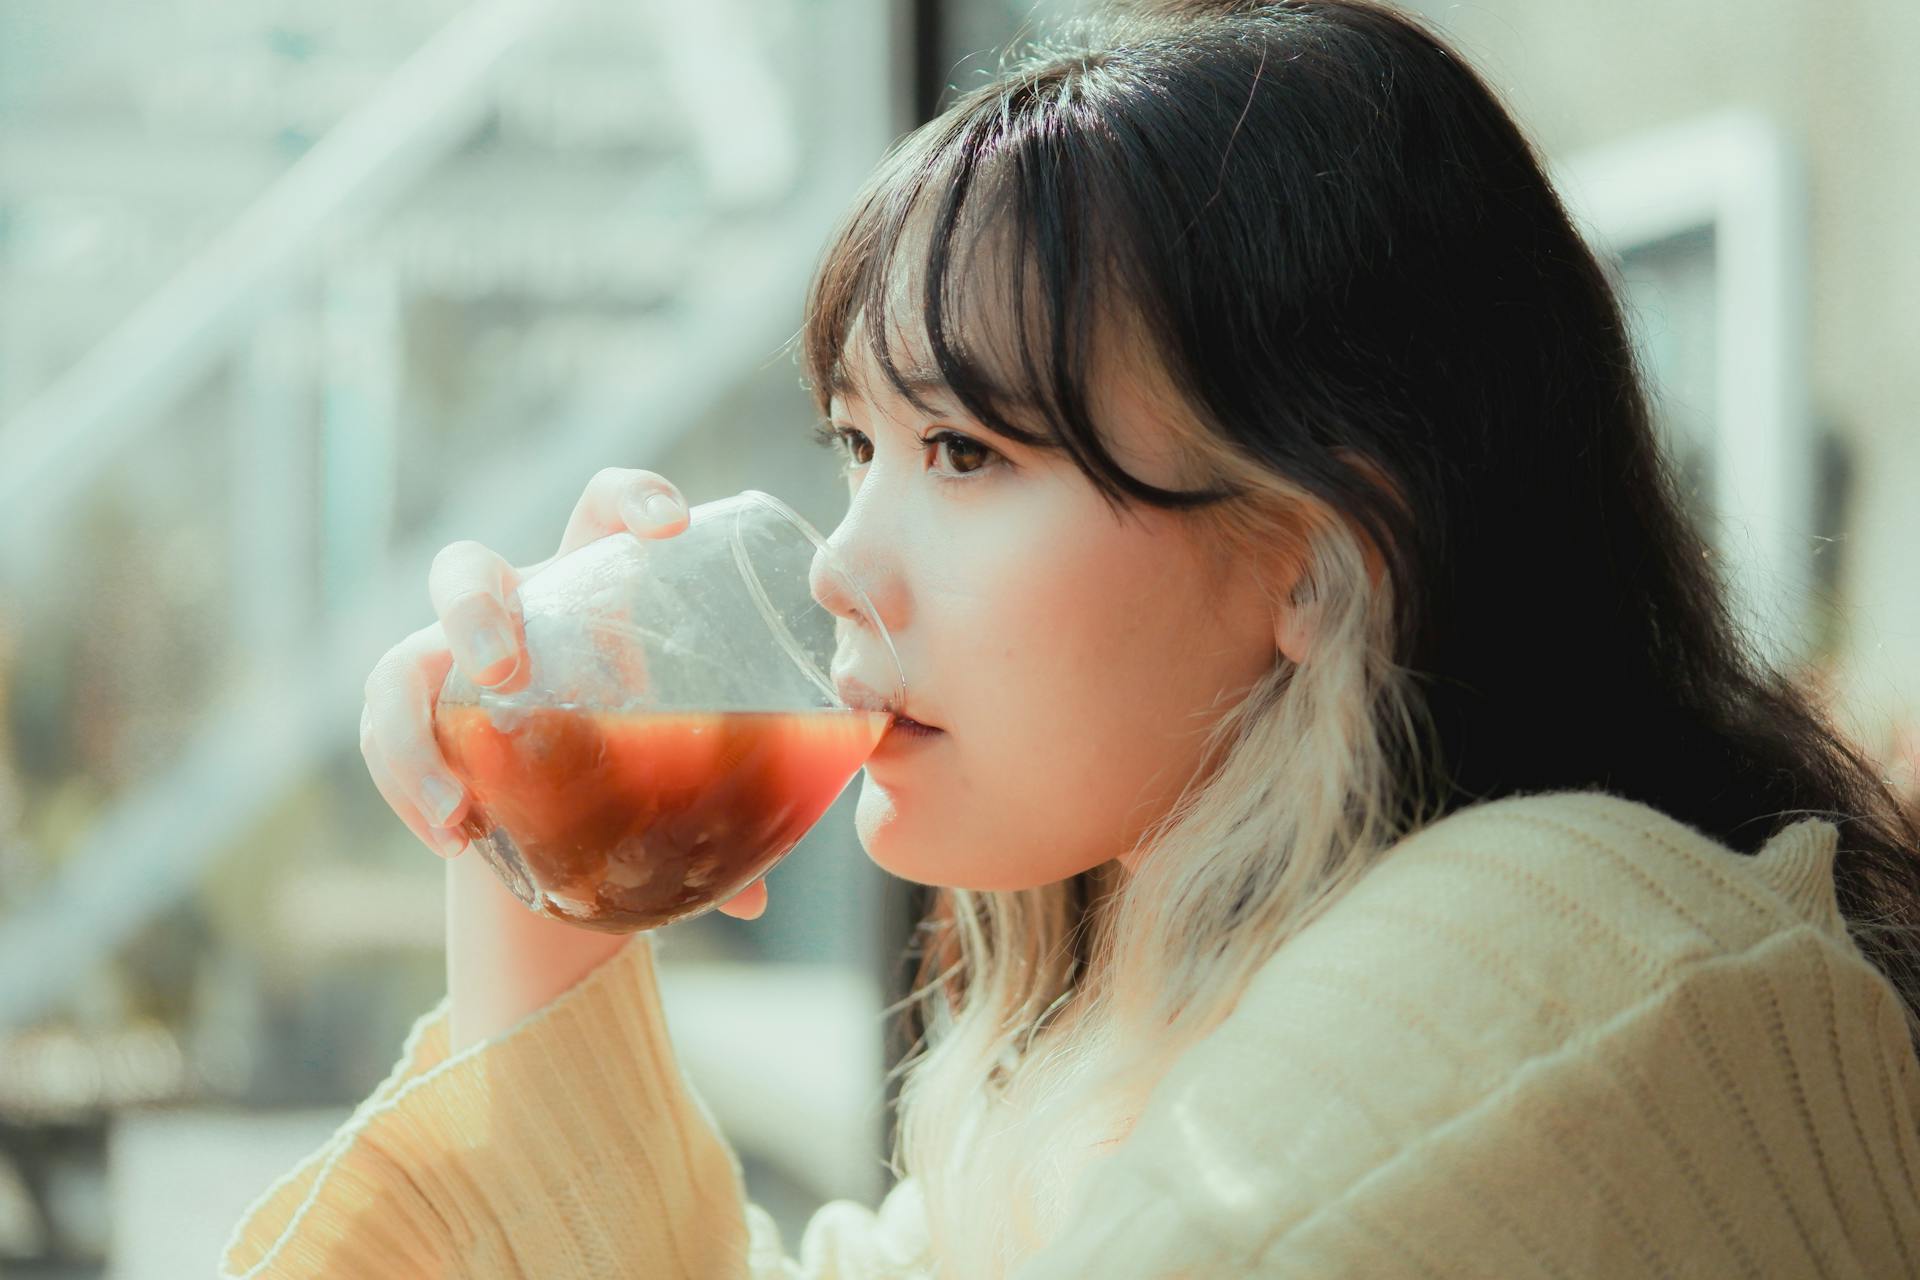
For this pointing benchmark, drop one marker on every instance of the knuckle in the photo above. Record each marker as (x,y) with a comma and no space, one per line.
(610,480)
(388,667)
(422,644)
(471,606)
(386,686)
(461,568)
(455,554)
(616,483)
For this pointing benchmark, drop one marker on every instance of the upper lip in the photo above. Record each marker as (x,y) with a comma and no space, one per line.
(862,696)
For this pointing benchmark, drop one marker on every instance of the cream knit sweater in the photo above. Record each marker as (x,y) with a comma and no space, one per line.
(1559,1035)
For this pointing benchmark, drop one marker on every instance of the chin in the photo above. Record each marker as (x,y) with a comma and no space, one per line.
(932,848)
(891,842)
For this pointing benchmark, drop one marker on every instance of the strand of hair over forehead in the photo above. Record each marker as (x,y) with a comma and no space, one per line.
(1126,18)
(1200,11)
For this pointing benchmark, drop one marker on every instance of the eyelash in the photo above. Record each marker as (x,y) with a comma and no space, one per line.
(830,435)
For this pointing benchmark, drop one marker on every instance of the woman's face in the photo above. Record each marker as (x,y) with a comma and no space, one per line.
(1072,659)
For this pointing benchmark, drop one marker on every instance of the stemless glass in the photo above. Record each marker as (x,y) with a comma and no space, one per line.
(677,730)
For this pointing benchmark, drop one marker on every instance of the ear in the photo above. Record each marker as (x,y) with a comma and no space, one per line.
(1293,633)
(1293,628)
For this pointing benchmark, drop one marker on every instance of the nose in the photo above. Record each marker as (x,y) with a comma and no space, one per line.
(848,568)
(839,590)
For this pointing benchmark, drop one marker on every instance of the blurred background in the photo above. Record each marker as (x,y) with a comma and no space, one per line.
(294,292)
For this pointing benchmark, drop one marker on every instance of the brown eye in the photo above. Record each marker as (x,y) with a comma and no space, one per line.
(959,446)
(831,435)
(968,455)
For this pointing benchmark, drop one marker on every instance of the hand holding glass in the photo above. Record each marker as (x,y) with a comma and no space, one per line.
(679,729)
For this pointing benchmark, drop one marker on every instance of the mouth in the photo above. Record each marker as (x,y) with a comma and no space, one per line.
(862,697)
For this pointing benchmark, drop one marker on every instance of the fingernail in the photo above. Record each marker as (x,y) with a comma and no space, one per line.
(442,798)
(491,647)
(661,509)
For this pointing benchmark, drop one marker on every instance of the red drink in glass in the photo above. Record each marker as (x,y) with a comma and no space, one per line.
(627,820)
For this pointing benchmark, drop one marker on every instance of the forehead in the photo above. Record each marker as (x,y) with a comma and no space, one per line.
(857,376)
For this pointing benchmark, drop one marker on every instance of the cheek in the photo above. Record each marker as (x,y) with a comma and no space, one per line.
(1071,705)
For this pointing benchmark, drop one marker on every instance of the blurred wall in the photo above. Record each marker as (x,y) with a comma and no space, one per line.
(1839,77)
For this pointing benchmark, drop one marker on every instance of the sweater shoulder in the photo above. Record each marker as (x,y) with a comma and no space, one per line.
(1524,929)
(1550,984)
(1601,878)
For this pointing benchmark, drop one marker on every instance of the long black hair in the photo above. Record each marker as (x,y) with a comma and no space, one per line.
(1338,245)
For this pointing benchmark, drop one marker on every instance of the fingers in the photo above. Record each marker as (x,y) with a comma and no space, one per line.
(748,904)
(616,499)
(447,843)
(396,735)
(475,593)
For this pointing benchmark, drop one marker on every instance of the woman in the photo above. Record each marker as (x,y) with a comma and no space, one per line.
(1364,845)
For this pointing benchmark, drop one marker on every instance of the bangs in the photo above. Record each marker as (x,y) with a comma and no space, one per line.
(967,270)
(925,278)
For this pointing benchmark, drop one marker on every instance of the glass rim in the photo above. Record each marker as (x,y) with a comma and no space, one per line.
(805,526)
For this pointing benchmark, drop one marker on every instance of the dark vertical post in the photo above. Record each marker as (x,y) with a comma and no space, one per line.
(928,51)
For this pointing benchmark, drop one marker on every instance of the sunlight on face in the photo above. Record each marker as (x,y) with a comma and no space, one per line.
(1073,659)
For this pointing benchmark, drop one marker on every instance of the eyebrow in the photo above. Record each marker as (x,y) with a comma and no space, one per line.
(917,378)
(922,378)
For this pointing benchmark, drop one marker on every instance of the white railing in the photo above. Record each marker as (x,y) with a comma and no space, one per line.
(429,107)
(152,848)
(290,705)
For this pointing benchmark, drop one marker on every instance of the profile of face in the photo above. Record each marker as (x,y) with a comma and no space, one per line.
(1071,657)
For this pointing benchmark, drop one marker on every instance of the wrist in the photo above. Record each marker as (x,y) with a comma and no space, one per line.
(504,961)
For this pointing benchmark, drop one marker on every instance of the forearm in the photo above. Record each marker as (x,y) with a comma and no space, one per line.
(504,961)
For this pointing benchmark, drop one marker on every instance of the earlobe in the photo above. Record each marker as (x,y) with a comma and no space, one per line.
(1292,634)
(1294,623)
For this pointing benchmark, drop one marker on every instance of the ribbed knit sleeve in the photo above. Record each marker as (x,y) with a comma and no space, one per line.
(569,1145)
(1565,1037)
